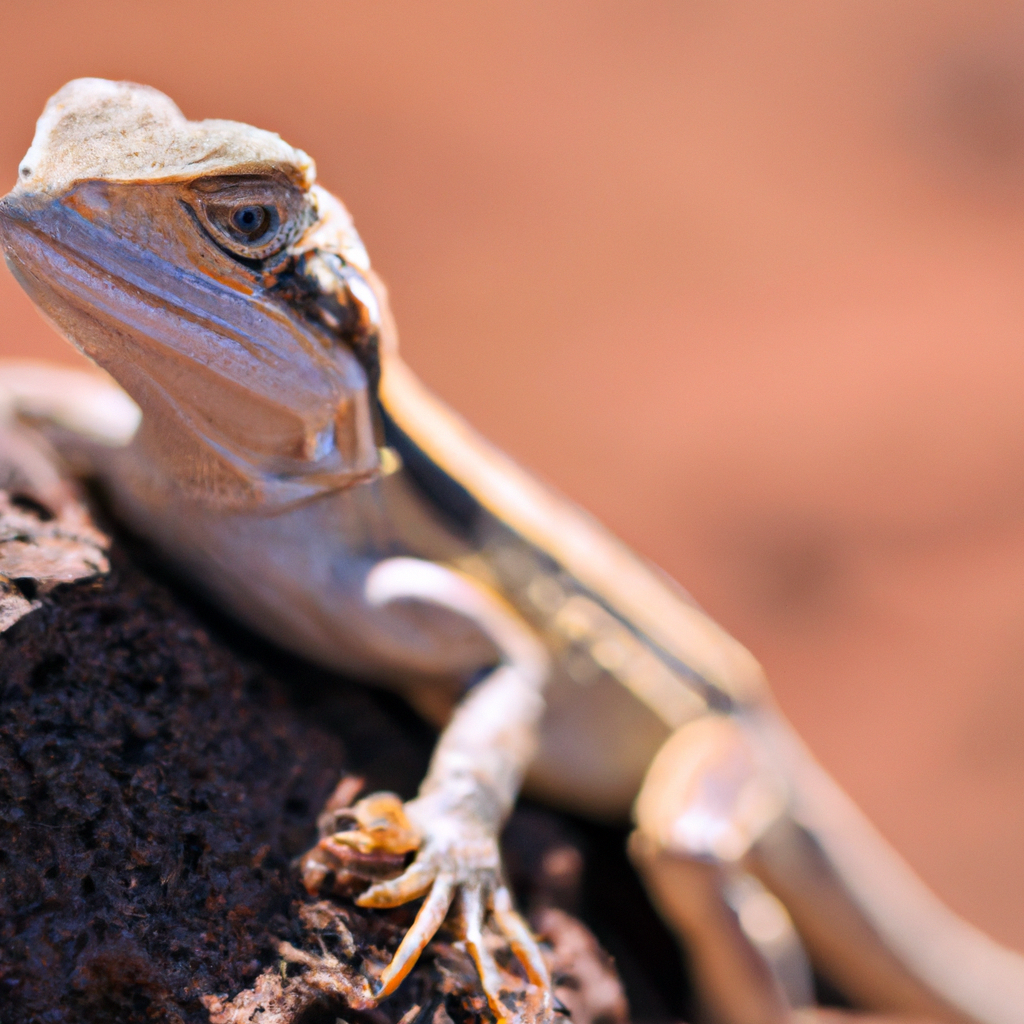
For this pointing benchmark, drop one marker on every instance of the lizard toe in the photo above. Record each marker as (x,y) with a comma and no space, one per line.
(472,908)
(430,917)
(413,883)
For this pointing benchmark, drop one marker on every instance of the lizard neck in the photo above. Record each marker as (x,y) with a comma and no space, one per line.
(172,457)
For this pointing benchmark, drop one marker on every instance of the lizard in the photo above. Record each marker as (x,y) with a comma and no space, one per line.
(258,426)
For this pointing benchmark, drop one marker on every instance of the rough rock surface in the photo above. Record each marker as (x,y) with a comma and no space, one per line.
(153,793)
(159,770)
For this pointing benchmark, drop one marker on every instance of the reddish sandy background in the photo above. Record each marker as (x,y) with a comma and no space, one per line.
(744,279)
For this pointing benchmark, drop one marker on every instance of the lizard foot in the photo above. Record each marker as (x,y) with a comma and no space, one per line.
(457,862)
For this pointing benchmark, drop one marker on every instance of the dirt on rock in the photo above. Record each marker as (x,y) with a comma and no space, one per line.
(154,791)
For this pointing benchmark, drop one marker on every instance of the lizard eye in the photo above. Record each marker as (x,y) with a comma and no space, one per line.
(252,221)
(249,217)
(246,229)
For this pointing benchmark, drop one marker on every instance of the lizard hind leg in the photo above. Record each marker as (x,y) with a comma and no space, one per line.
(707,799)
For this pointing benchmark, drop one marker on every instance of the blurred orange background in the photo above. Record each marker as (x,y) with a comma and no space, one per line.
(745,279)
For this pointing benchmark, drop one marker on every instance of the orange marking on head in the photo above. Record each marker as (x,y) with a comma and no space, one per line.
(239,286)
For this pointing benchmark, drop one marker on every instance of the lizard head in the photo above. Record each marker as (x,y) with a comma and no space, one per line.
(199,264)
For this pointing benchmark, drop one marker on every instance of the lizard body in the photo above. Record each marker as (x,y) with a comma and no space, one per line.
(290,464)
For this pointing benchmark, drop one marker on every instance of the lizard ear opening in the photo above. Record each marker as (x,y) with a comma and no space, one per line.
(250,217)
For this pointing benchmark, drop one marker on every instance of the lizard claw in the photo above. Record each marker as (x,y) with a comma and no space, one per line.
(457,862)
(515,931)
(379,825)
(430,917)
(475,900)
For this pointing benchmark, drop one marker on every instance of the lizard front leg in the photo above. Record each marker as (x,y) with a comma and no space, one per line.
(84,403)
(473,780)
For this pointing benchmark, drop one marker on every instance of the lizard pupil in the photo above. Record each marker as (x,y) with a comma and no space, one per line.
(250,220)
